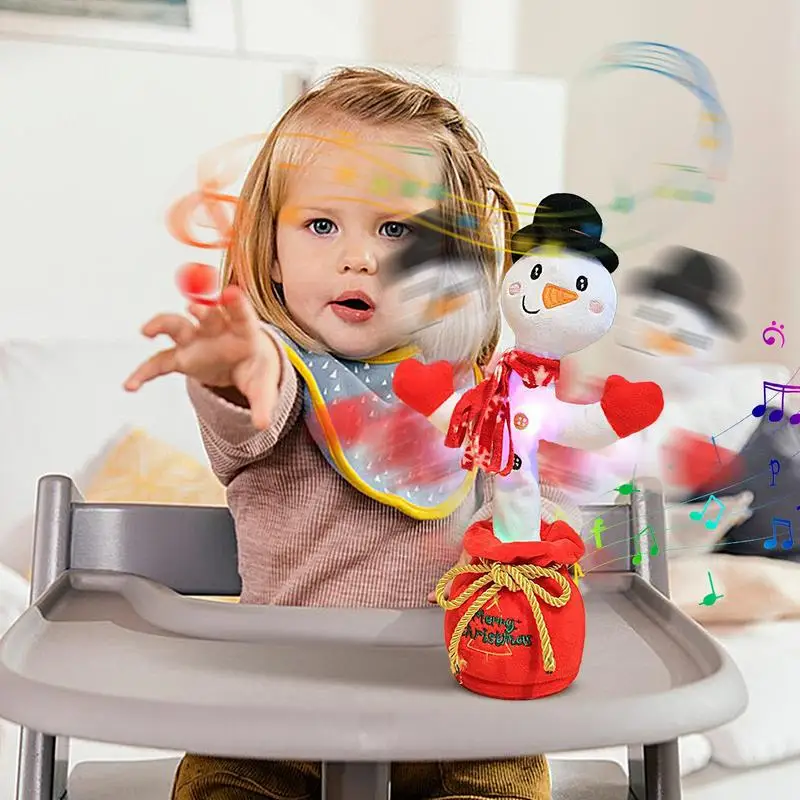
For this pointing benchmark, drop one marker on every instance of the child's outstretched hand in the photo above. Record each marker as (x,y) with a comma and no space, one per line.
(223,347)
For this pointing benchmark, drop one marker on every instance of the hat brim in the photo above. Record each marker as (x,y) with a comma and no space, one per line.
(647,281)
(528,238)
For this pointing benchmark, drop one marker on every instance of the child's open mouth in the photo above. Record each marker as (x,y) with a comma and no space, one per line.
(353,307)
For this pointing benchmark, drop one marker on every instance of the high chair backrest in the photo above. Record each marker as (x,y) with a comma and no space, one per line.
(190,549)
(632,536)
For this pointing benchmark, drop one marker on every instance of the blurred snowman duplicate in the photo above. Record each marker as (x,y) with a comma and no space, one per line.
(707,441)
(675,328)
(678,327)
(444,294)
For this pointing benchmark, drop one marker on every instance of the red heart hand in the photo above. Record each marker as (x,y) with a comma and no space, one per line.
(423,387)
(694,461)
(631,407)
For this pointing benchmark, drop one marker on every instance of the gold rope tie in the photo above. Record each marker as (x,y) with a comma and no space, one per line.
(494,577)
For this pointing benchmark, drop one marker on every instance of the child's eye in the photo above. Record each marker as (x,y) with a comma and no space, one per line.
(394,230)
(322,227)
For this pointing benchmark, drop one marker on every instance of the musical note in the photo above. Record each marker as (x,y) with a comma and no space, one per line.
(381,186)
(623,203)
(685,195)
(776,463)
(578,572)
(467,221)
(598,529)
(198,283)
(716,449)
(709,523)
(712,596)
(205,208)
(415,151)
(682,167)
(776,415)
(626,488)
(637,558)
(771,339)
(345,176)
(409,188)
(772,542)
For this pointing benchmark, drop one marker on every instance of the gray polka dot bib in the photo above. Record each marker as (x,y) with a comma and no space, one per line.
(375,442)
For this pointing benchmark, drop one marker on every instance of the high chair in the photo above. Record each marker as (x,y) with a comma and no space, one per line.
(115,648)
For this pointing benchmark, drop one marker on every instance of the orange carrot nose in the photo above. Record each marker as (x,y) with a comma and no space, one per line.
(553,296)
(660,342)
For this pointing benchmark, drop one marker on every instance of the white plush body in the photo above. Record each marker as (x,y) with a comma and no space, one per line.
(556,302)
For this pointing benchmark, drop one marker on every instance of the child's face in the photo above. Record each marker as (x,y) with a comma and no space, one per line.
(341,220)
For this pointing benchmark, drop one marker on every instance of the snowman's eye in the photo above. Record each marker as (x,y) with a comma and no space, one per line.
(582,283)
(536,271)
(693,339)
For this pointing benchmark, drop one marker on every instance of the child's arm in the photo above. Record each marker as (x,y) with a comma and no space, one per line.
(231,440)
(242,385)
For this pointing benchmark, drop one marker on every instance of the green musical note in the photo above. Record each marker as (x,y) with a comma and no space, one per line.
(626,488)
(381,186)
(624,204)
(409,188)
(436,192)
(712,596)
(637,558)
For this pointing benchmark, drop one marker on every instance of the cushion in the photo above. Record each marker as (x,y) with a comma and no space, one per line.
(767,655)
(62,404)
(748,588)
(143,469)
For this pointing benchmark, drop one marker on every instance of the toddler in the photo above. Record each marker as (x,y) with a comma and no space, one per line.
(284,370)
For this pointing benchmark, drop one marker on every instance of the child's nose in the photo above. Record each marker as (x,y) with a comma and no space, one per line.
(364,262)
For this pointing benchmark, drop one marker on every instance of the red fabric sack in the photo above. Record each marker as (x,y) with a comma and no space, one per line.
(515,624)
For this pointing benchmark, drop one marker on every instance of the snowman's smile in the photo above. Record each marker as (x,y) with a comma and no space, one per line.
(637,349)
(527,311)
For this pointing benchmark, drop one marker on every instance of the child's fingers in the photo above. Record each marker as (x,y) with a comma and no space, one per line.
(161,363)
(262,396)
(178,328)
(241,316)
(211,319)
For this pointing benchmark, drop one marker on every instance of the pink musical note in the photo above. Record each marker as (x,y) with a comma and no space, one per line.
(776,415)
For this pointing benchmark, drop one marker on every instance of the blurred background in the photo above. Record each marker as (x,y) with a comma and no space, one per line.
(107,107)
(104,120)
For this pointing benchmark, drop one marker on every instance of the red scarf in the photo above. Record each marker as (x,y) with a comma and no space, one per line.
(482,415)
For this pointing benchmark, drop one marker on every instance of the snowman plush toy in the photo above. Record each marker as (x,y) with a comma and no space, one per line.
(515,619)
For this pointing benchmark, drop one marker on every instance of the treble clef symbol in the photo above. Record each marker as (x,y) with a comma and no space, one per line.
(207,208)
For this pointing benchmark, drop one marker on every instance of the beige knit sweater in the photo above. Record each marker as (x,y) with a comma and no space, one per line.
(305,535)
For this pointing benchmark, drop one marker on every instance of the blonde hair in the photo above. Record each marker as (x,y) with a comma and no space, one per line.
(374,98)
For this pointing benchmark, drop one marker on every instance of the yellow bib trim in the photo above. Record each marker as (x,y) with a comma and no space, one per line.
(440,511)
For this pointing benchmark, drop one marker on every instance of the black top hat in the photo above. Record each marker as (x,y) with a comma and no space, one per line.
(702,280)
(567,220)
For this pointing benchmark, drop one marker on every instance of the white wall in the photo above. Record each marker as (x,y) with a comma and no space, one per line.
(99,143)
(104,137)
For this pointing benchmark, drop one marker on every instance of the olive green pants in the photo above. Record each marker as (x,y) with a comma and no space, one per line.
(204,778)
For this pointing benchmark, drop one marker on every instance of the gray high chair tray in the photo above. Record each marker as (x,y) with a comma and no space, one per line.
(112,649)
(88,659)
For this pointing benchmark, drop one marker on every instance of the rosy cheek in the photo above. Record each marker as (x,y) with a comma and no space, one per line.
(514,288)
(596,307)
